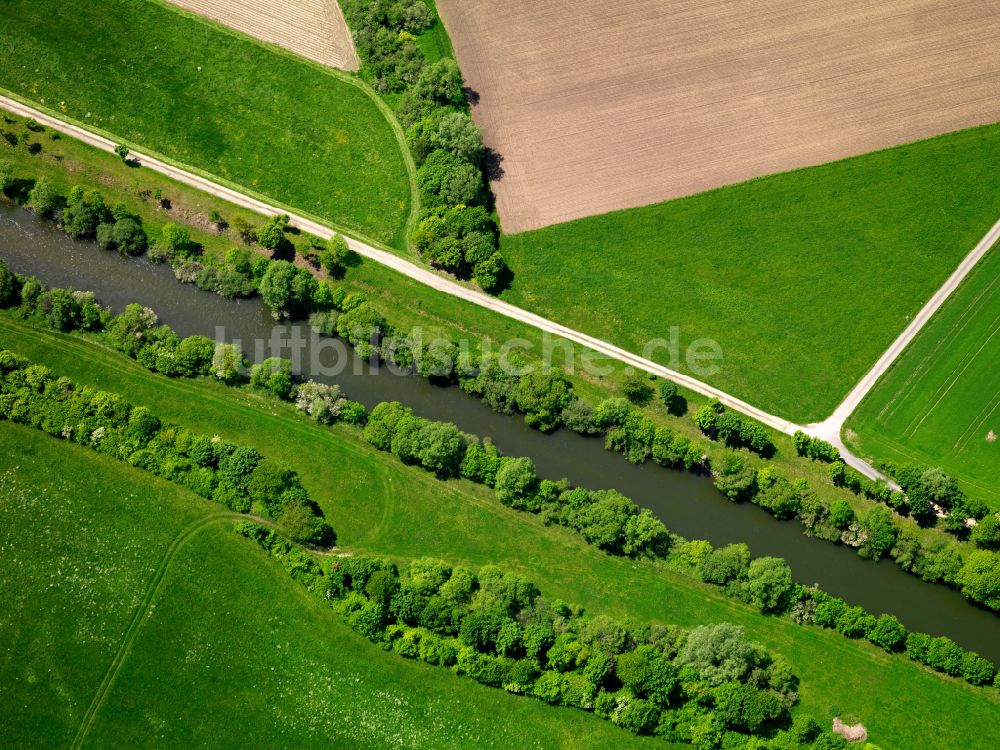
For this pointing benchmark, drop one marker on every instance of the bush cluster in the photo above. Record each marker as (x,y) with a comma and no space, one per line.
(604,518)
(456,232)
(238,477)
(720,423)
(709,686)
(767,583)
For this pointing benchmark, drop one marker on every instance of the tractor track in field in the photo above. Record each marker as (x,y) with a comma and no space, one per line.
(153,589)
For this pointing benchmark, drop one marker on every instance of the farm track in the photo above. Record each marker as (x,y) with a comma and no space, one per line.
(829,430)
(156,584)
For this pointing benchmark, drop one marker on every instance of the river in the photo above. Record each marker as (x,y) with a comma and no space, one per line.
(689,505)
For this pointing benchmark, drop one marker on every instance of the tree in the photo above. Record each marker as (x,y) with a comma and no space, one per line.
(841,514)
(489,273)
(668,394)
(176,240)
(122,150)
(542,395)
(719,653)
(457,133)
(228,364)
(8,292)
(287,290)
(879,532)
(43,198)
(273,374)
(979,578)
(6,170)
(939,487)
(194,356)
(320,401)
(888,633)
(449,180)
(725,564)
(382,422)
(637,389)
(769,581)
(516,480)
(271,235)
(612,412)
(128,236)
(334,258)
(128,331)
(736,478)
(647,674)
(985,534)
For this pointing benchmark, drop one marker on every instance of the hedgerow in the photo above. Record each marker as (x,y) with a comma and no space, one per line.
(238,477)
(496,628)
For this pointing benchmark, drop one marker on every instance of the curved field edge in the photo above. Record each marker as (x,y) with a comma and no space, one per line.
(229,643)
(803,278)
(940,402)
(327,151)
(387,509)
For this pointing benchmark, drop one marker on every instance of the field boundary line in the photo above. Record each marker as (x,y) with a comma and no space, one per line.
(154,587)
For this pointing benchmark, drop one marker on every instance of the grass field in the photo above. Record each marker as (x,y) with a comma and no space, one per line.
(940,403)
(803,278)
(280,126)
(381,506)
(230,654)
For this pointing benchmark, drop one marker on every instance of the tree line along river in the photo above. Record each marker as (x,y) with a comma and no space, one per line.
(689,505)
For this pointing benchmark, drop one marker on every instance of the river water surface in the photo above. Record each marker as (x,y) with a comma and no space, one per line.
(689,505)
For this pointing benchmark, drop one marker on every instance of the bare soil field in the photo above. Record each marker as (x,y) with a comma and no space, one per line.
(314,29)
(595,106)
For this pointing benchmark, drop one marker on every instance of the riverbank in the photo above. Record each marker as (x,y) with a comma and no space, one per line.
(687,504)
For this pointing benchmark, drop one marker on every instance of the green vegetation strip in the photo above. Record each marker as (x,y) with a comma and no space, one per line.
(228,645)
(388,509)
(546,398)
(803,278)
(280,126)
(940,404)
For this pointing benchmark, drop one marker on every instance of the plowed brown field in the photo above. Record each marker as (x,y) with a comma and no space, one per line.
(596,105)
(314,29)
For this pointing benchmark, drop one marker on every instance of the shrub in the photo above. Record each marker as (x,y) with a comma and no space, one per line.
(43,198)
(274,374)
(769,581)
(516,480)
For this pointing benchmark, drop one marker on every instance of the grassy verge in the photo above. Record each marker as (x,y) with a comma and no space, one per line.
(215,98)
(940,404)
(434,42)
(380,506)
(231,651)
(803,278)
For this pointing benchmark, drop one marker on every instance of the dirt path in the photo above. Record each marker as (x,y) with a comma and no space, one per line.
(156,584)
(829,430)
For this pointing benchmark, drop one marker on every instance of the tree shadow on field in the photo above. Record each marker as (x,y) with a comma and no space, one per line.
(471,95)
(493,165)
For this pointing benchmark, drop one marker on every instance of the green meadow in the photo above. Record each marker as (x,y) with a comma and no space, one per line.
(803,278)
(380,506)
(263,120)
(940,403)
(229,653)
